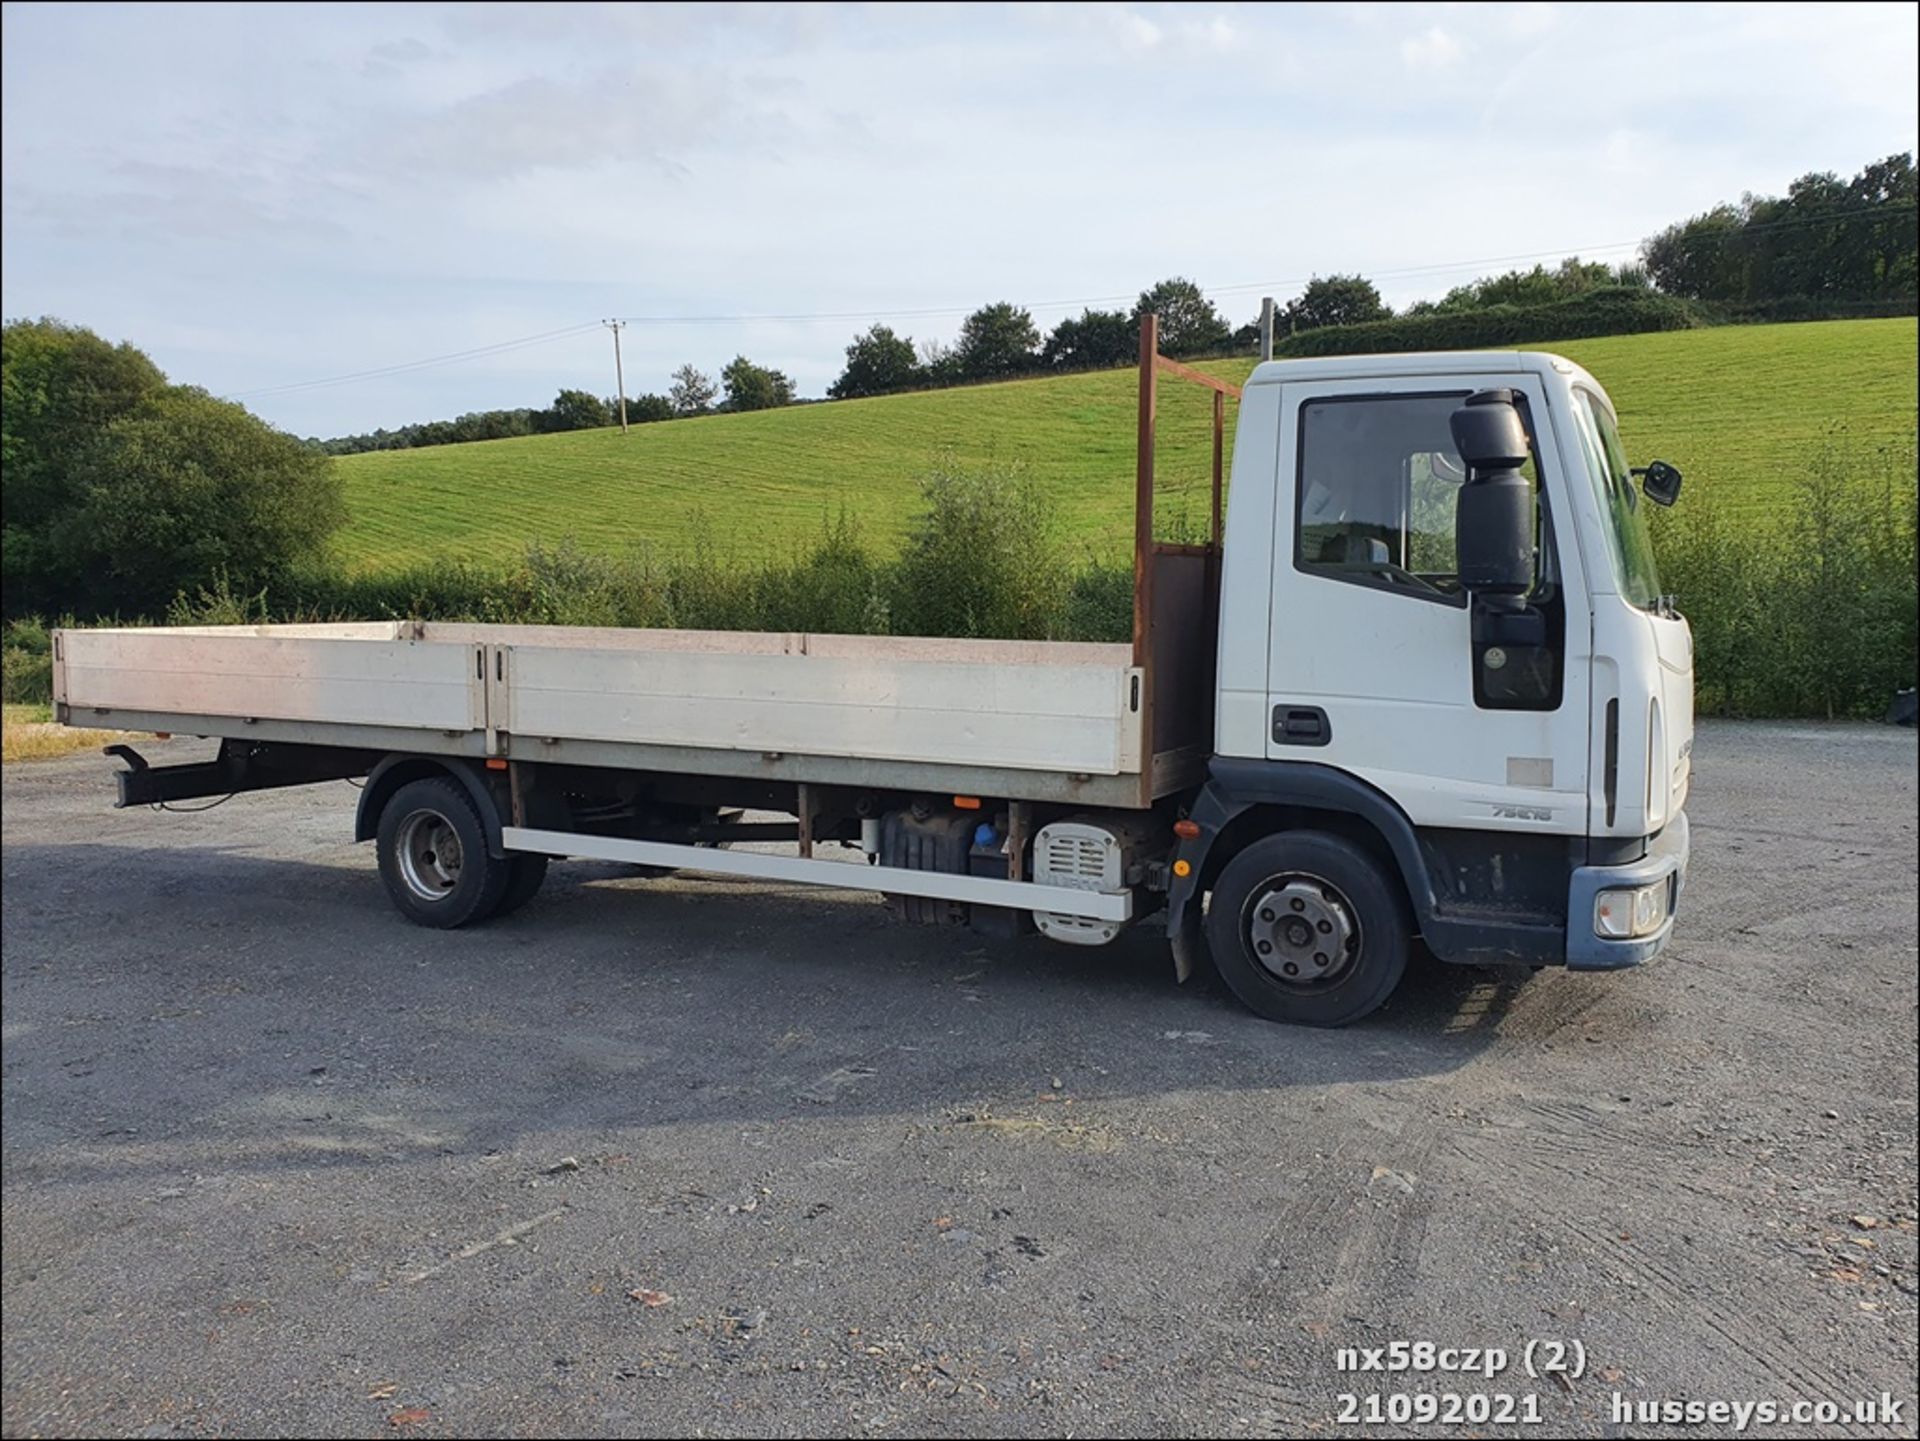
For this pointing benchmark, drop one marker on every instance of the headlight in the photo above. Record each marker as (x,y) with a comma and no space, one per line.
(1627,914)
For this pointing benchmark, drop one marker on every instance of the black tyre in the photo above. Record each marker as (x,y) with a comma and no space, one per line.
(433,856)
(1308,928)
(525,875)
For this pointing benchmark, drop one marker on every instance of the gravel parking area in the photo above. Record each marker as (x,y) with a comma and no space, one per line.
(690,1156)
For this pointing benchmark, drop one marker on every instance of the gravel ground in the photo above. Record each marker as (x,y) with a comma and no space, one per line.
(697,1157)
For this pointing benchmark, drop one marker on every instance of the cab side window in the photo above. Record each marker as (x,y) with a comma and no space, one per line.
(1378,479)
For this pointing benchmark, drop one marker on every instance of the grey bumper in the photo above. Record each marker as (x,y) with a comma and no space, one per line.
(1666,859)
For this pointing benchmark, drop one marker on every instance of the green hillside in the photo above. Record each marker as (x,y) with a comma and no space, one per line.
(1738,408)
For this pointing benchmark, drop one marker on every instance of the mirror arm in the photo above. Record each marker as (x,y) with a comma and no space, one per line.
(1507,621)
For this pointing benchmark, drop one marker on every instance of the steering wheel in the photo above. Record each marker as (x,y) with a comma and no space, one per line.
(1407,577)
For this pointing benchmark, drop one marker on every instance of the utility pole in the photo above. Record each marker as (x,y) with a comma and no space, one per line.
(1266,328)
(619,376)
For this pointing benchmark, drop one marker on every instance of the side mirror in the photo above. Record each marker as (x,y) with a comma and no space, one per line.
(1660,483)
(1494,514)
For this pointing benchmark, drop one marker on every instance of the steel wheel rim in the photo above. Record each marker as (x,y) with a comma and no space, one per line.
(1302,930)
(430,855)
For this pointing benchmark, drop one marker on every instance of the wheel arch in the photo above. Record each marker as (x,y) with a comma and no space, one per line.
(396,771)
(1246,799)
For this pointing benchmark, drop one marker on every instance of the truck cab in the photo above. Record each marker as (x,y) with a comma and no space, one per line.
(1511,734)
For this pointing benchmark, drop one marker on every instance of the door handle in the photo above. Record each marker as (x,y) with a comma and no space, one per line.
(1301,725)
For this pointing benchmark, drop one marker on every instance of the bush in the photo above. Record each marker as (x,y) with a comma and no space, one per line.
(61,385)
(26,662)
(122,490)
(833,586)
(1615,310)
(982,559)
(216,604)
(1099,603)
(1806,307)
(1807,612)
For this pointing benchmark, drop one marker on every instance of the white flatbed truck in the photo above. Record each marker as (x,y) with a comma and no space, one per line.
(1418,685)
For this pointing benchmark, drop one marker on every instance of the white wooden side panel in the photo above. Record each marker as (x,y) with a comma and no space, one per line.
(601,637)
(1050,653)
(311,630)
(278,677)
(1076,718)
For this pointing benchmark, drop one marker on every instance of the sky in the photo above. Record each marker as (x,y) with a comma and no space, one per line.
(271,198)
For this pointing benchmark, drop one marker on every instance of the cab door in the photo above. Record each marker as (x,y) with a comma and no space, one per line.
(1372,665)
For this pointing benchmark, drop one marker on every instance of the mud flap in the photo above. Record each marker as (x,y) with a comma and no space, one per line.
(1186,940)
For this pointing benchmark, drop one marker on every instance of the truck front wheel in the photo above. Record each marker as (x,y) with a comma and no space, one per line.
(433,856)
(1307,927)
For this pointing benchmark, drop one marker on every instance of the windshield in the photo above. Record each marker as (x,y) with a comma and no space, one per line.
(1621,505)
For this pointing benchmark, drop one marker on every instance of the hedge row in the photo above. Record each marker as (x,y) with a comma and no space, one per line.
(1792,308)
(1615,310)
(1806,609)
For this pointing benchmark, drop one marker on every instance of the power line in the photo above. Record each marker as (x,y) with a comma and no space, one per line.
(1251,285)
(937,312)
(477,353)
(934,312)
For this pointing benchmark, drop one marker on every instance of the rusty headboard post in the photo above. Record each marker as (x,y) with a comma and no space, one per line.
(1143,492)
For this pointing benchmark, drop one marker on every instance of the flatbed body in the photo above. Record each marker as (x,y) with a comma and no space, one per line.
(1062,722)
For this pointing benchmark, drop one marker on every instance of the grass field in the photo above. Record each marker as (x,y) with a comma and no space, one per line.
(1739,409)
(27,733)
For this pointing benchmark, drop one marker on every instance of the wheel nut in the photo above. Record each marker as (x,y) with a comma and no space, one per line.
(1266,915)
(1326,928)
(1266,948)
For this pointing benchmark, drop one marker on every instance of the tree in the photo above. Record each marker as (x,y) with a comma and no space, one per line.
(997,340)
(1539,286)
(1189,325)
(1336,300)
(576,410)
(754,387)
(1827,239)
(1886,193)
(642,409)
(1694,257)
(1097,340)
(940,364)
(692,392)
(60,385)
(878,363)
(183,493)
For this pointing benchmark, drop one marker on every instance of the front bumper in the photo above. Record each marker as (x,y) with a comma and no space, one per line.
(1666,859)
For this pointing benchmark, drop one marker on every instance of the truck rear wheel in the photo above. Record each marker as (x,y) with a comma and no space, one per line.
(433,856)
(1308,928)
(526,873)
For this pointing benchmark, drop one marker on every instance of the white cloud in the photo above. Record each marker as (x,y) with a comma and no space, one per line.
(1434,50)
(390,183)
(1534,17)
(1624,151)
(1136,31)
